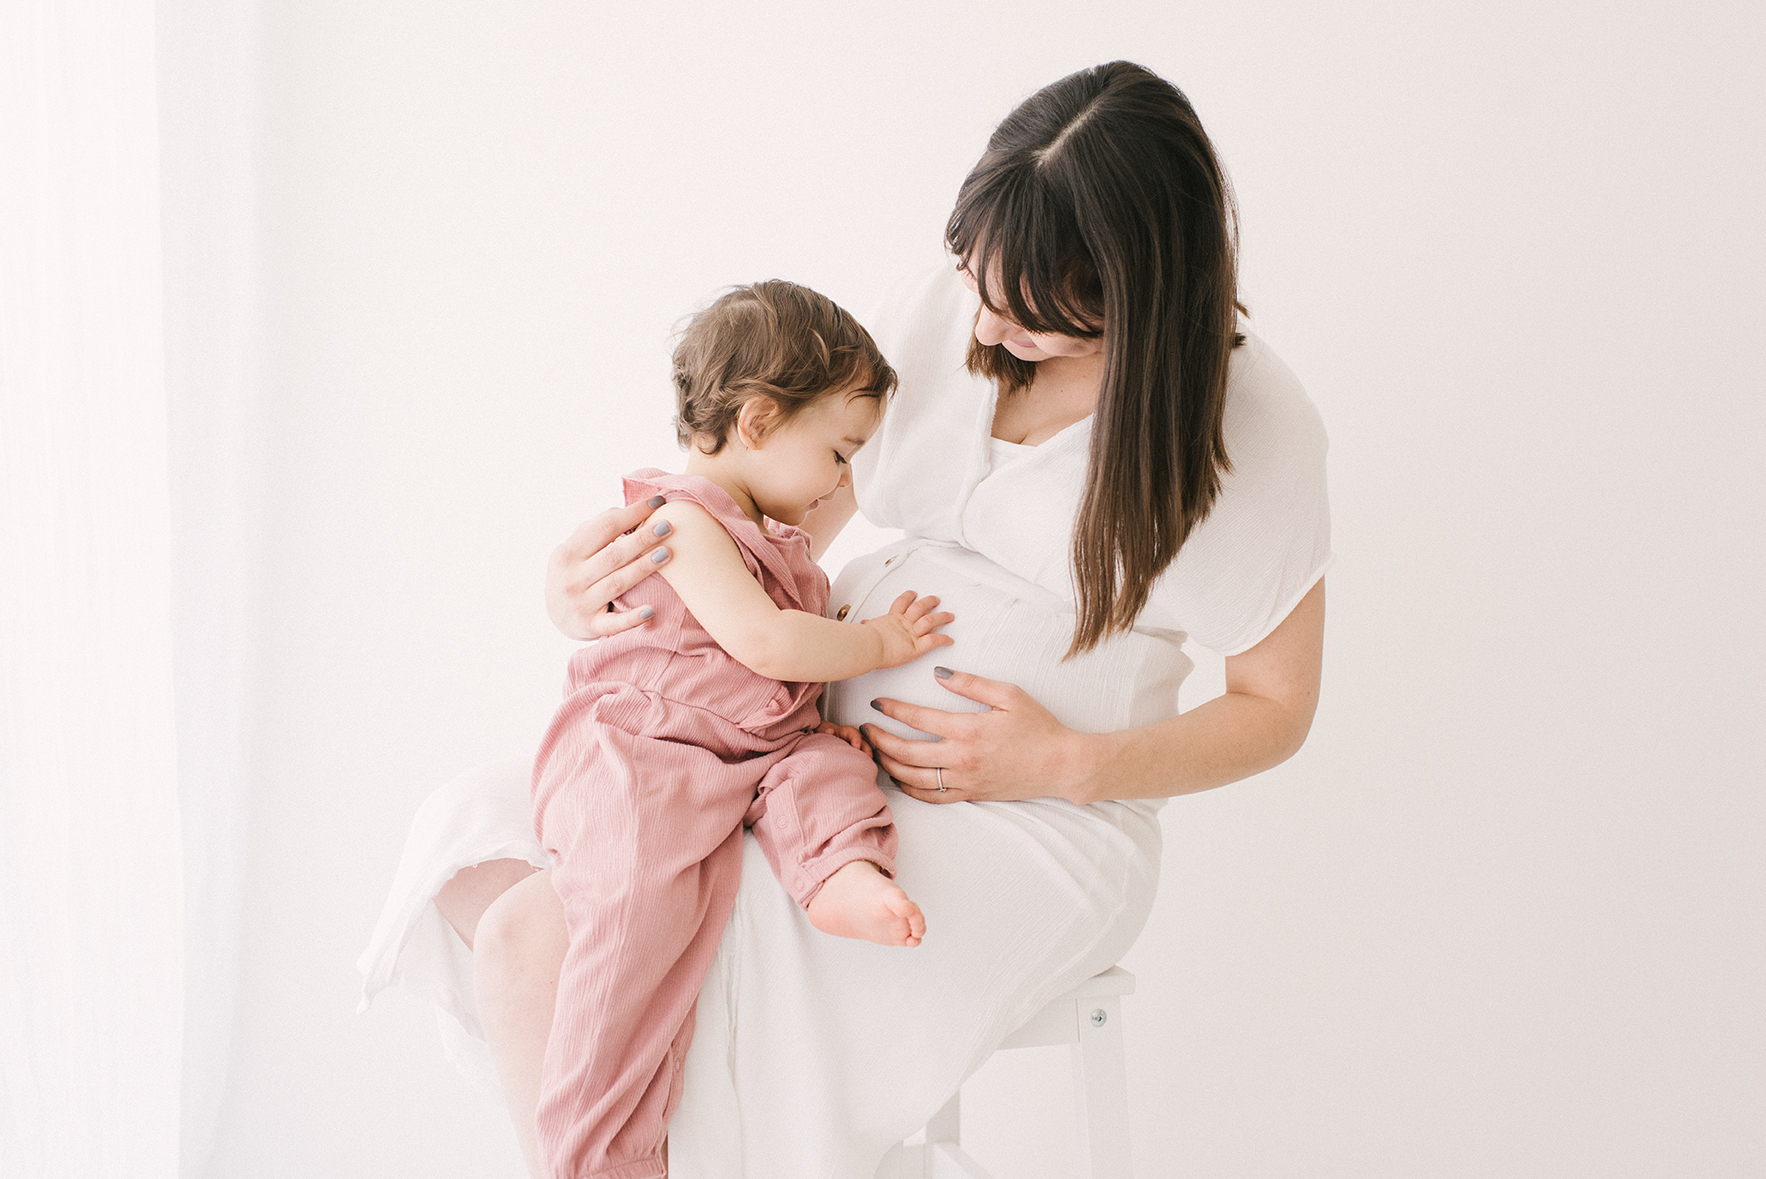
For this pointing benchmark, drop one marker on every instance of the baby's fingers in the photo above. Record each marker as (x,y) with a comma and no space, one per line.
(902,603)
(933,621)
(920,607)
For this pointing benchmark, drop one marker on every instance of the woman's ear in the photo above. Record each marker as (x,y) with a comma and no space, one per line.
(755,420)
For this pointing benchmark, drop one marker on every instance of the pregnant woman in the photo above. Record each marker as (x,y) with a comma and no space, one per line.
(1090,460)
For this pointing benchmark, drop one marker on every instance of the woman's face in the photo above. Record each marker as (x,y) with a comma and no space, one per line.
(992,329)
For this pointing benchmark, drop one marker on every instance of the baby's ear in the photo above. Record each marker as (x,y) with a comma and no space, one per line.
(759,416)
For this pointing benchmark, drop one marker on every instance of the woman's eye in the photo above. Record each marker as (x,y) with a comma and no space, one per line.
(839,458)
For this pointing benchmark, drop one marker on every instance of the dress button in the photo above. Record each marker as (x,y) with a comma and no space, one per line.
(840,615)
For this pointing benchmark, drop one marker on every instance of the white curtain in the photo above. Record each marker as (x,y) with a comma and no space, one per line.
(126,525)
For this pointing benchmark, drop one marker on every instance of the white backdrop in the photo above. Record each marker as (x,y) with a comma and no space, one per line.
(1501,916)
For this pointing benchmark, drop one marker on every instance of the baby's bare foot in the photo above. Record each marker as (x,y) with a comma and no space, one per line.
(859,901)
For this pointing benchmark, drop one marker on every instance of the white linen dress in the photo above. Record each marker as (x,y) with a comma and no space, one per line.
(815,1054)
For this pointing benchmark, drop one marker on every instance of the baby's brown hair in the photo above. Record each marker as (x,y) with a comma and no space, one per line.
(776,340)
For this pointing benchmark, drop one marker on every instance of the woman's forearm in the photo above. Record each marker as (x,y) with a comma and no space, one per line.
(1261,721)
(1228,738)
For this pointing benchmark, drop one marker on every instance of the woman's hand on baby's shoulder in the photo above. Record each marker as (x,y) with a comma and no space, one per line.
(604,557)
(906,632)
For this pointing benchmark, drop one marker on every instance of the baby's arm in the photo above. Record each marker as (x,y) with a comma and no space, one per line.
(713,581)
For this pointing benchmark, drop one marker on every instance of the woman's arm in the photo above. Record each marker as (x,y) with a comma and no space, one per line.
(714,582)
(1019,750)
(829,517)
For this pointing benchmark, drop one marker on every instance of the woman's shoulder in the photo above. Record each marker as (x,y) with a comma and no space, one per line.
(922,326)
(1268,537)
(1268,412)
(912,472)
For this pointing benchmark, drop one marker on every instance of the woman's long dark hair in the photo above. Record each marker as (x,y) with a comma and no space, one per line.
(1099,209)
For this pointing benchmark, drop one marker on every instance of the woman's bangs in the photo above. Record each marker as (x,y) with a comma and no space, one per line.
(1008,237)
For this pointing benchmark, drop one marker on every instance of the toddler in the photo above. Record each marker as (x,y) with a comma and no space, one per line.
(676,735)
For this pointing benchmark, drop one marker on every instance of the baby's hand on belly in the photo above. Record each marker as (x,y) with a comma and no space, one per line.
(906,632)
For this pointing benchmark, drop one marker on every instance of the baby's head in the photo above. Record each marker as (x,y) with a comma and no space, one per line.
(773,340)
(775,367)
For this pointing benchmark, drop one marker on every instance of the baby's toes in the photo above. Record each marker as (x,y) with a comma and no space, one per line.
(910,922)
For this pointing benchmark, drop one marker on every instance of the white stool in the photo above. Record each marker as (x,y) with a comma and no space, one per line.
(1088,1017)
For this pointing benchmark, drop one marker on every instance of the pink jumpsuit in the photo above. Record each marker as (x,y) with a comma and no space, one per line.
(664,749)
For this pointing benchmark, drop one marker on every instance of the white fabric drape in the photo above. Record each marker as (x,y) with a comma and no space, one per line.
(125,522)
(92,857)
(207,101)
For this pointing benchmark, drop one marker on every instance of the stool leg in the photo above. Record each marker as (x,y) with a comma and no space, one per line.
(1100,1088)
(895,1164)
(942,1157)
(947,1124)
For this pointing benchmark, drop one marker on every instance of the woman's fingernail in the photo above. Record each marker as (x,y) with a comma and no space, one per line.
(647,612)
(876,706)
(663,529)
(660,555)
(656,501)
(943,673)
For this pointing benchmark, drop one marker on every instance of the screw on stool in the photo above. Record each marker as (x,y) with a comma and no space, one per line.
(1083,1019)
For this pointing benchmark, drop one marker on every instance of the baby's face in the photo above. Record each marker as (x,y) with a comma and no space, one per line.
(805,460)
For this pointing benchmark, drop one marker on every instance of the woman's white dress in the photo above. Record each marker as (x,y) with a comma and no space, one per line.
(814,1054)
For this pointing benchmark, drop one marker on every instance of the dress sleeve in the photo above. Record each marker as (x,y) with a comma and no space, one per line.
(1268,539)
(907,476)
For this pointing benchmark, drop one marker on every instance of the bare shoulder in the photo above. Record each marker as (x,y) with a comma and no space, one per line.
(696,539)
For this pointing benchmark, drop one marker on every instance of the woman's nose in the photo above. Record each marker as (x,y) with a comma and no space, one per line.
(845,476)
(990,329)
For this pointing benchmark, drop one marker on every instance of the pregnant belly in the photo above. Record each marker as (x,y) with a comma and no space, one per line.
(1005,629)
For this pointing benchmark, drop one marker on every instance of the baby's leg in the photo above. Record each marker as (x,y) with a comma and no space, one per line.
(648,834)
(825,828)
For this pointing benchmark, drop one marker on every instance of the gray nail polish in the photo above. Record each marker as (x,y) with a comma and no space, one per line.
(943,673)
(647,612)
(660,555)
(663,529)
(656,501)
(876,706)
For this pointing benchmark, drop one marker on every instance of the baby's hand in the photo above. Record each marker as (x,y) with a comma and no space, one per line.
(848,734)
(907,629)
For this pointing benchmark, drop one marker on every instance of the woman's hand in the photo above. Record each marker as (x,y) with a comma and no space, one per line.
(600,562)
(905,633)
(1017,750)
